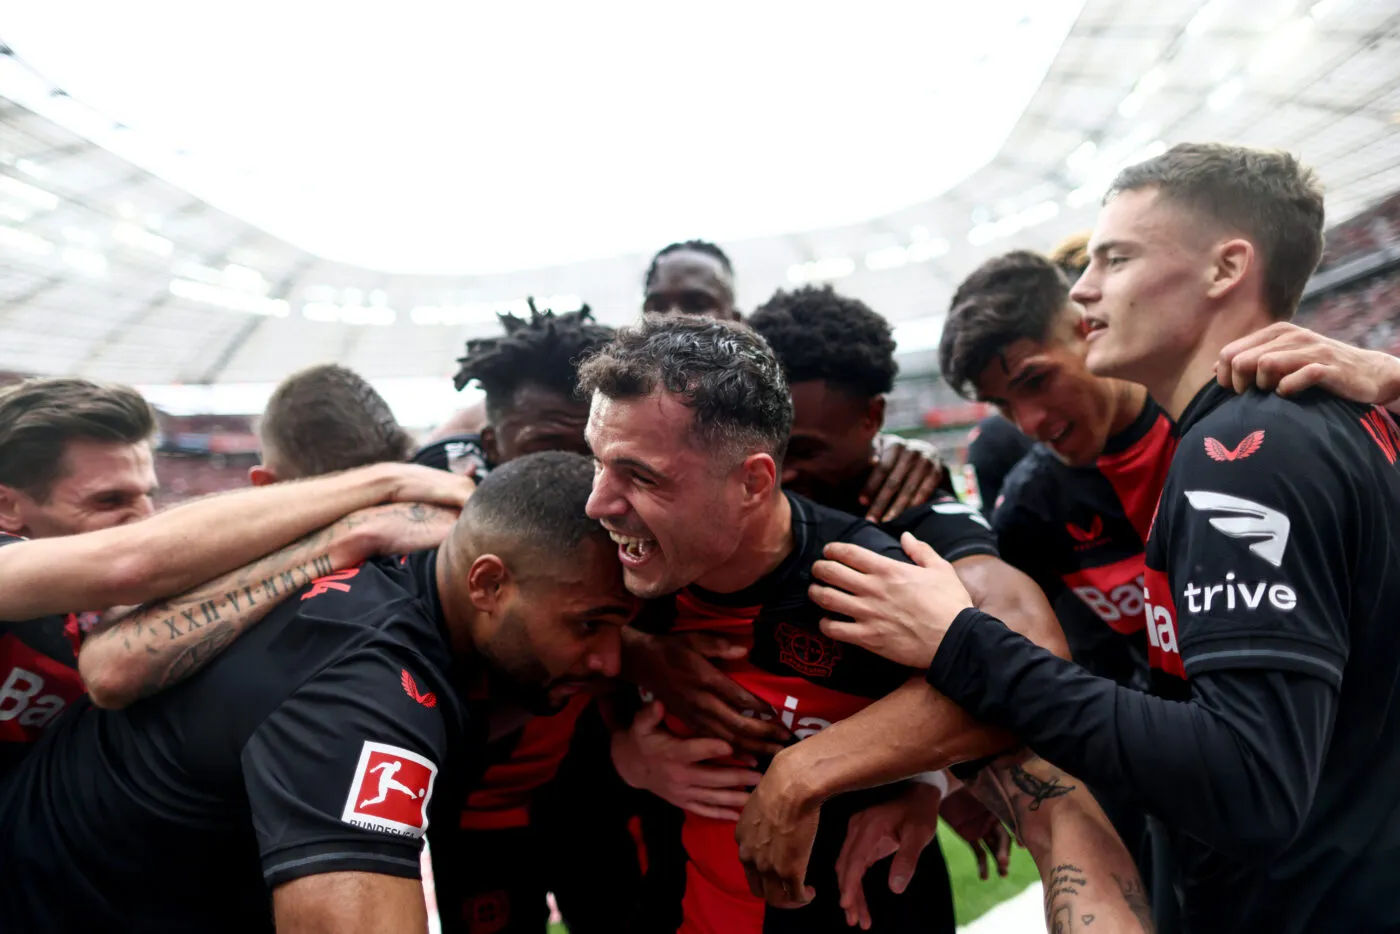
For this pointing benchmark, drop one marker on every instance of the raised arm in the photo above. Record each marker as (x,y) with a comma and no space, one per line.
(350,903)
(183,547)
(140,651)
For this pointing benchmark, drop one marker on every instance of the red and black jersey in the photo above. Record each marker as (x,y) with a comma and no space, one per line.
(1275,550)
(38,679)
(812,682)
(519,764)
(320,741)
(1081,532)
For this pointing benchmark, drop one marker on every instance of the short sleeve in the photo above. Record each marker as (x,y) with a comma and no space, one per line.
(952,528)
(341,774)
(1256,549)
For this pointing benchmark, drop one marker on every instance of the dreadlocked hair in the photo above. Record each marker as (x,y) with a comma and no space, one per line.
(817,333)
(543,350)
(694,246)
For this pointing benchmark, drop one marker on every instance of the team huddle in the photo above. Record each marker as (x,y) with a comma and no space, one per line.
(669,629)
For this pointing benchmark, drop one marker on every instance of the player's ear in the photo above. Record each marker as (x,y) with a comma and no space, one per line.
(260,475)
(1232,261)
(760,477)
(875,415)
(488,579)
(11,511)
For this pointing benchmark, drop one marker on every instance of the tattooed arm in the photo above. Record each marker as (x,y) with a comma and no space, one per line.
(181,547)
(137,652)
(1089,879)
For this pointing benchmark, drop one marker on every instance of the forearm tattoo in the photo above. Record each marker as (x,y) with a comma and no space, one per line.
(172,639)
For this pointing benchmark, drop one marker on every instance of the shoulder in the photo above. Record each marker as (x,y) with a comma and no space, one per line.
(819,526)
(1029,487)
(1265,435)
(951,527)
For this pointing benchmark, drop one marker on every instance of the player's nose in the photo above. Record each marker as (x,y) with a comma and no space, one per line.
(605,657)
(605,500)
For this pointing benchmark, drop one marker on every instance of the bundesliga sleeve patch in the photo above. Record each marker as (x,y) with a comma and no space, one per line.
(390,791)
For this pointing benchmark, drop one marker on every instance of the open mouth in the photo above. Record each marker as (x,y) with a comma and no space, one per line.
(1095,326)
(632,550)
(1055,439)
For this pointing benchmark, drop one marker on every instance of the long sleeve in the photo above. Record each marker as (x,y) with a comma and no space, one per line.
(1235,766)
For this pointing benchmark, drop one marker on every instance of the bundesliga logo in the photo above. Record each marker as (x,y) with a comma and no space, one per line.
(390,791)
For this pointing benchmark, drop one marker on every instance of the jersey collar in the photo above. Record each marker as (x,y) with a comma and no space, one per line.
(1210,398)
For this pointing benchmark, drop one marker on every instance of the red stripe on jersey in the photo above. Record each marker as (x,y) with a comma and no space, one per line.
(1163,651)
(1139,473)
(1113,592)
(502,798)
(34,690)
(717,898)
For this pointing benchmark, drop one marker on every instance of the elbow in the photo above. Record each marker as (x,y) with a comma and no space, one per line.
(108,685)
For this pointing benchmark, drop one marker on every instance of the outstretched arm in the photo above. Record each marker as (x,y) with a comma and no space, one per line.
(140,651)
(183,547)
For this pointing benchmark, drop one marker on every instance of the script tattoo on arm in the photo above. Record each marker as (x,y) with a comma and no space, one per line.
(152,647)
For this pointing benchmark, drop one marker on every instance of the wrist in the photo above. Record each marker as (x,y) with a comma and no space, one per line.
(797,779)
(1391,391)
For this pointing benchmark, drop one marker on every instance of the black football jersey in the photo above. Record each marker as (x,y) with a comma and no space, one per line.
(320,741)
(1080,533)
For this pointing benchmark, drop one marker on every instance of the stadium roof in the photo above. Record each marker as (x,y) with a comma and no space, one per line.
(887,154)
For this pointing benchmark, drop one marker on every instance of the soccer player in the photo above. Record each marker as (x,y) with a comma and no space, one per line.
(323,737)
(75,470)
(1074,513)
(689,418)
(693,278)
(323,419)
(1271,611)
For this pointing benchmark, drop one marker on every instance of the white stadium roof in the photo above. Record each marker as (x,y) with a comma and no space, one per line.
(378,201)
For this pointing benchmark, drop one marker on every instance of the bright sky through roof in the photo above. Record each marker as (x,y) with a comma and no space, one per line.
(458,137)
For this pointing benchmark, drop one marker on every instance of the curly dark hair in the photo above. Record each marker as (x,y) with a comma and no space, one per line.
(819,334)
(544,351)
(1008,298)
(723,370)
(696,246)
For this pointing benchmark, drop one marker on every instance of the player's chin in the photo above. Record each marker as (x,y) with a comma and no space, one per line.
(648,581)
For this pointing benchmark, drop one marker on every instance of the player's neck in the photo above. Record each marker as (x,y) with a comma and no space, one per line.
(766,544)
(1128,402)
(458,609)
(1222,327)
